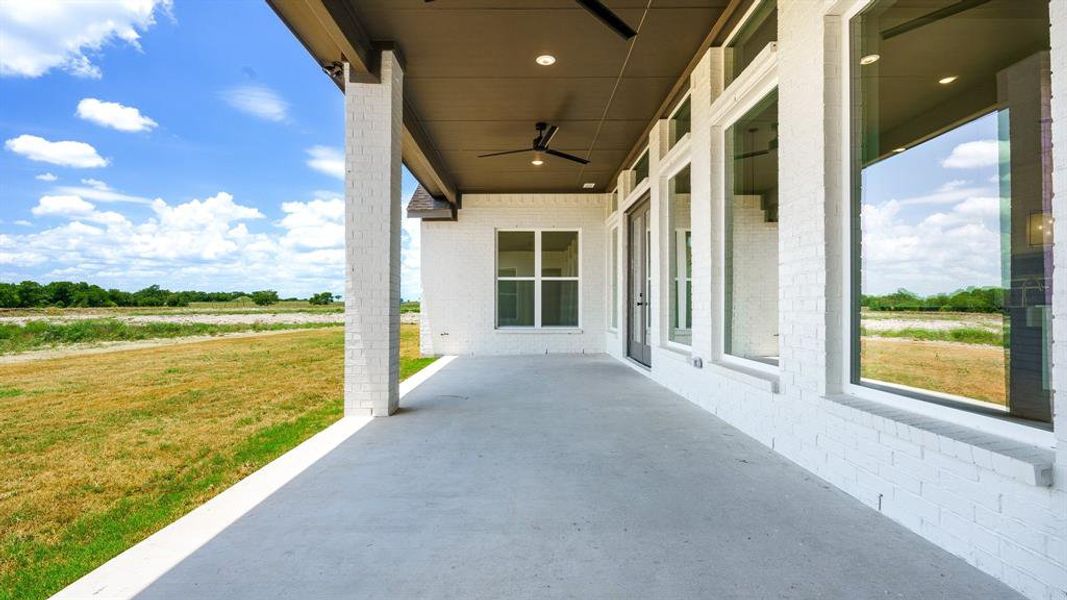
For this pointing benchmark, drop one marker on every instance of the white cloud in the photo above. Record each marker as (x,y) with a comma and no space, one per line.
(114,115)
(318,223)
(328,160)
(979,206)
(23,223)
(62,206)
(930,253)
(38,36)
(258,101)
(64,153)
(216,243)
(948,193)
(46,177)
(94,189)
(973,155)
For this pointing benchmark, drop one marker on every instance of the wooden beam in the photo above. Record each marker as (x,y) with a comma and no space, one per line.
(332,34)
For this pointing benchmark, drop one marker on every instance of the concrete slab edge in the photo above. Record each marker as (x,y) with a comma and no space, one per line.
(134,570)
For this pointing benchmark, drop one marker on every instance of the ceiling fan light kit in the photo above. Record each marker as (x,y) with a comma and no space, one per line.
(539,147)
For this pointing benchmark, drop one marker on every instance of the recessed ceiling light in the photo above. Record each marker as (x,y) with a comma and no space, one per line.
(588,185)
(899,150)
(947,80)
(870,59)
(545,60)
(537,162)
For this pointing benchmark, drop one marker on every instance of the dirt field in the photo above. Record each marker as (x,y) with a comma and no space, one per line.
(970,370)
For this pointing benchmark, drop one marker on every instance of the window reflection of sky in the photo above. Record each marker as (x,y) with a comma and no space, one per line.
(931,214)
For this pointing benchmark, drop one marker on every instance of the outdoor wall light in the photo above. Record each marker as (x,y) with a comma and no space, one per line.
(545,60)
(870,59)
(947,80)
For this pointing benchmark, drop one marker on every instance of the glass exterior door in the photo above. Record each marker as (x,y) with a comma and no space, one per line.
(638,298)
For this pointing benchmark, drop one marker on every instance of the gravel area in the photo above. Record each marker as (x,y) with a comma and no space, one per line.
(989,323)
(210,318)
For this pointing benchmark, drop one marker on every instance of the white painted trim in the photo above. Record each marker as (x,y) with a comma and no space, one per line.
(537,278)
(749,88)
(755,82)
(636,194)
(1003,427)
(741,24)
(133,571)
(676,159)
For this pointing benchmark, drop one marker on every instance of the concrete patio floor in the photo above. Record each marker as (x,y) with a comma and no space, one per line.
(561,476)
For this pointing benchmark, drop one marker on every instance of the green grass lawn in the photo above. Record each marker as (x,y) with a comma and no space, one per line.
(101,450)
(35,335)
(963,335)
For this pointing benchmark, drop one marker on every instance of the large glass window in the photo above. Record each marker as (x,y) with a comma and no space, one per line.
(758,30)
(537,269)
(681,258)
(952,247)
(751,240)
(680,122)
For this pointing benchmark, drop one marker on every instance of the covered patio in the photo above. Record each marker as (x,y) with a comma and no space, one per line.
(544,476)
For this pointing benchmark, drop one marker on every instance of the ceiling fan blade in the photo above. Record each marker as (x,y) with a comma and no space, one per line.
(754,154)
(612,20)
(566,156)
(937,15)
(546,137)
(505,152)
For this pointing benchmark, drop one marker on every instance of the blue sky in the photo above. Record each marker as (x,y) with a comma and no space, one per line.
(931,214)
(192,144)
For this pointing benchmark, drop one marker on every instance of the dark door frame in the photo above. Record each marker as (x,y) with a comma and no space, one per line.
(640,352)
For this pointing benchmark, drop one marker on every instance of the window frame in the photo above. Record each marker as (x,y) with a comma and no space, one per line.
(613,282)
(672,143)
(644,155)
(670,167)
(729,39)
(756,82)
(538,278)
(968,413)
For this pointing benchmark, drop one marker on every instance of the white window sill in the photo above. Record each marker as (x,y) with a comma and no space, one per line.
(548,330)
(756,378)
(1016,459)
(674,349)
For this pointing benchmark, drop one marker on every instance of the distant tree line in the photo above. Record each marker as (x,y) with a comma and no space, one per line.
(30,294)
(972,299)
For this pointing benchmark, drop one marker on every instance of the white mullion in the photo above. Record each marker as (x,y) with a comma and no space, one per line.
(537,279)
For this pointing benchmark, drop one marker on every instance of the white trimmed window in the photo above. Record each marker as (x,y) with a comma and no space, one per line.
(680,257)
(537,282)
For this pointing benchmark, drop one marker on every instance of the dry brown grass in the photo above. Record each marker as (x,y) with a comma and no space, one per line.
(970,370)
(99,451)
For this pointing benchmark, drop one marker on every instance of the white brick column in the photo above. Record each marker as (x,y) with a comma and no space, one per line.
(809,225)
(706,83)
(373,129)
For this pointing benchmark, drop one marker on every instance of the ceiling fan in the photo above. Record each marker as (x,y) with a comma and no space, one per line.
(772,146)
(606,16)
(545,133)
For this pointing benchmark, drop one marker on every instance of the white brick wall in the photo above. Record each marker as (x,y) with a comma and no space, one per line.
(754,285)
(997,501)
(373,126)
(459,284)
